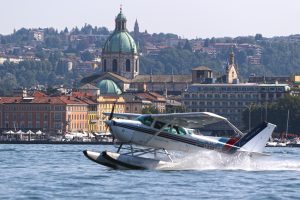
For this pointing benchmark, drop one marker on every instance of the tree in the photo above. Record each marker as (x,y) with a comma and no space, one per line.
(66,30)
(87,56)
(277,114)
(187,46)
(206,42)
(150,110)
(258,37)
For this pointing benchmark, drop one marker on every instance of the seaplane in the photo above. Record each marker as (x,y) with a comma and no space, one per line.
(144,141)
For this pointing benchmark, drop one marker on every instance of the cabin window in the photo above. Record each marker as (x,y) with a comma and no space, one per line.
(146,120)
(158,125)
(175,130)
(170,129)
(180,130)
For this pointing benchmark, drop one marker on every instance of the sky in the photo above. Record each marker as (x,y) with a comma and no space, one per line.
(186,18)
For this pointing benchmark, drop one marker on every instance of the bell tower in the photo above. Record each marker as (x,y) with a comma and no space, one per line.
(231,70)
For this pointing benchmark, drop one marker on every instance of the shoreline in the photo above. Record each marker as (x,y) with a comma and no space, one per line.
(91,143)
(58,142)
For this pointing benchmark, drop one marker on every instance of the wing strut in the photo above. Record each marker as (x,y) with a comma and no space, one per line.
(234,128)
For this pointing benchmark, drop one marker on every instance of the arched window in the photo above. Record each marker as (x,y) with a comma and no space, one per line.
(104,65)
(115,65)
(127,65)
(136,65)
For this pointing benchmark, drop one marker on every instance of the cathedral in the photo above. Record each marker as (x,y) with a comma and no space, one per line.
(120,54)
(120,65)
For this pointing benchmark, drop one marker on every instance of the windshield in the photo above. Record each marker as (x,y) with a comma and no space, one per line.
(146,120)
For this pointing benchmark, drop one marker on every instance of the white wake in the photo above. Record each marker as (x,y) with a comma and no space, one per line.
(211,160)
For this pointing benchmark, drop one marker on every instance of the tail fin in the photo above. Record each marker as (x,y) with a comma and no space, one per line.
(256,139)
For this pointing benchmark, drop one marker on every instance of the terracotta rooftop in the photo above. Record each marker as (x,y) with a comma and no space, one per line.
(30,100)
(71,100)
(41,100)
(150,96)
(39,94)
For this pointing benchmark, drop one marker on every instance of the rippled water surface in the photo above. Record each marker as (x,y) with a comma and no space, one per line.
(62,172)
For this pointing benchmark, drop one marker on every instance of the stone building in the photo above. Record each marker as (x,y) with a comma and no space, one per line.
(120,54)
(230,100)
(49,114)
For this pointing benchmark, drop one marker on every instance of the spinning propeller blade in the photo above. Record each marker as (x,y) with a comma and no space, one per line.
(112,112)
(110,118)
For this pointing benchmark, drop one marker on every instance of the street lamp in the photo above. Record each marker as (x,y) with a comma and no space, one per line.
(249,116)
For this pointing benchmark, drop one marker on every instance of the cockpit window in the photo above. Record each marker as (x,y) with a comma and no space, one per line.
(158,125)
(170,129)
(181,131)
(190,131)
(146,120)
(175,130)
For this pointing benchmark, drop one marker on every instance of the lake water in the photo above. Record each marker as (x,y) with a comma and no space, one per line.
(63,172)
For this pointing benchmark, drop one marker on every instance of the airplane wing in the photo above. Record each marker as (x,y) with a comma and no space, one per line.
(123,115)
(189,120)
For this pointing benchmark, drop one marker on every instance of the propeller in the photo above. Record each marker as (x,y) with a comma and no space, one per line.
(112,112)
(110,118)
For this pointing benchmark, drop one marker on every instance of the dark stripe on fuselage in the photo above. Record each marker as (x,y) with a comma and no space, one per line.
(177,138)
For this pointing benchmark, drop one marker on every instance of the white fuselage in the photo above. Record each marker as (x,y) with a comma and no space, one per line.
(130,131)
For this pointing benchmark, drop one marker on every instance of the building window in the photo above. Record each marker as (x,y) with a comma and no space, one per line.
(37,124)
(57,125)
(57,117)
(37,116)
(115,65)
(29,116)
(45,124)
(104,65)
(127,65)
(136,65)
(45,117)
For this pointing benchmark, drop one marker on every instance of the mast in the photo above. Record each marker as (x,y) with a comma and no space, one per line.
(287,124)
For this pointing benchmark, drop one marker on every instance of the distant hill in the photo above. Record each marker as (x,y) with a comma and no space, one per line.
(41,56)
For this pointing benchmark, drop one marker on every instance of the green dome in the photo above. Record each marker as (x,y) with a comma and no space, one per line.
(120,42)
(108,87)
(120,17)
